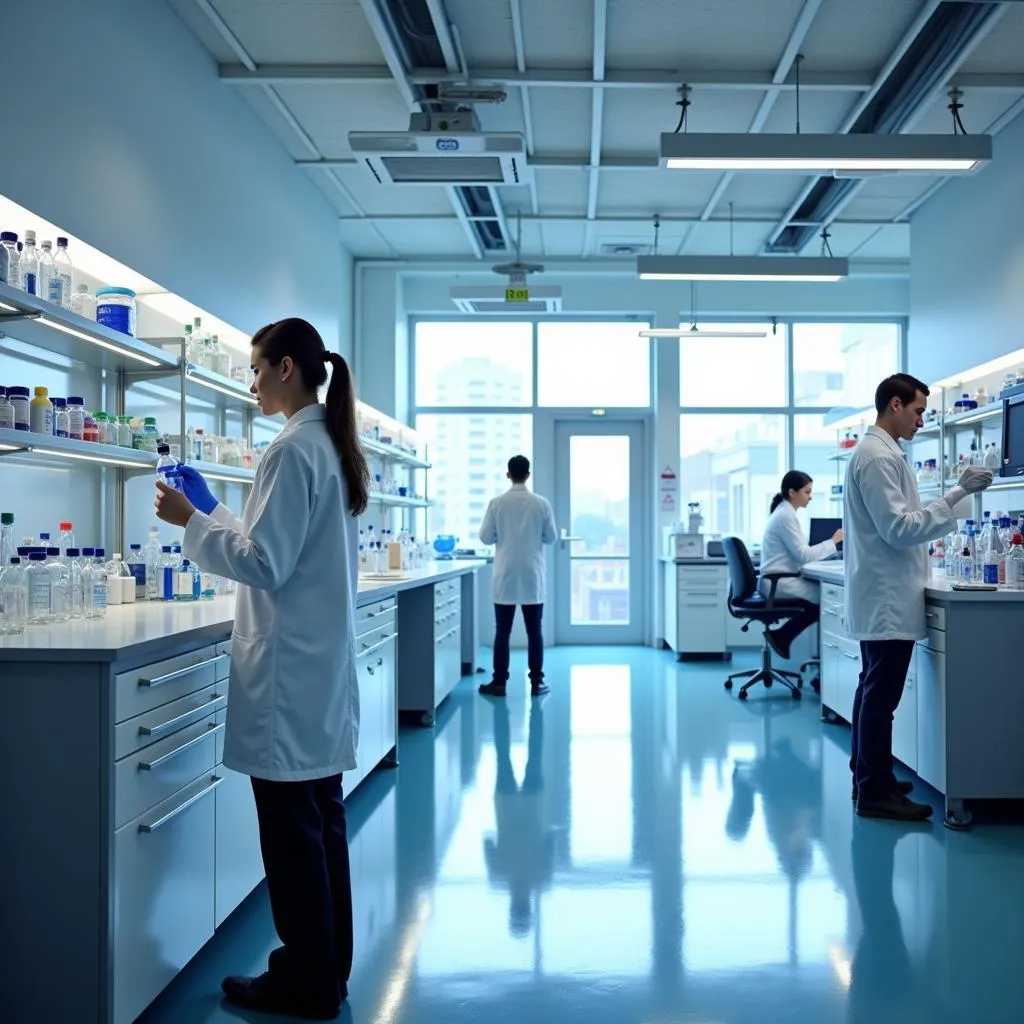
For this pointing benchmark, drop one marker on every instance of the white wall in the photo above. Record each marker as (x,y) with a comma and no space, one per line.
(127,139)
(967,266)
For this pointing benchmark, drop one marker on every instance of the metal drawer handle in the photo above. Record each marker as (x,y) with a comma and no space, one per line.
(834,647)
(172,723)
(852,657)
(152,826)
(370,648)
(160,680)
(211,730)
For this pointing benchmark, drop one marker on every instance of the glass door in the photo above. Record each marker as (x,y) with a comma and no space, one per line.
(600,577)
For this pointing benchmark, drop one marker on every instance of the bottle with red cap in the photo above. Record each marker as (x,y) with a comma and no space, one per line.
(67,538)
(1015,562)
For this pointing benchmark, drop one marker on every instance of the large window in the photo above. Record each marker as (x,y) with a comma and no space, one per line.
(471,363)
(733,371)
(732,464)
(838,365)
(593,364)
(470,453)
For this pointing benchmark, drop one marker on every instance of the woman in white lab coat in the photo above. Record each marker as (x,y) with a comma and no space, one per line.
(293,699)
(784,549)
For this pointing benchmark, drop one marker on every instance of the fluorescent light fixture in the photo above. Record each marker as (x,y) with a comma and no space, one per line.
(12,448)
(105,459)
(1008,362)
(224,390)
(228,479)
(696,332)
(742,268)
(726,151)
(47,322)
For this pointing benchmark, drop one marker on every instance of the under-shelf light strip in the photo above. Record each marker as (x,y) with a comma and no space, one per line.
(47,322)
(228,479)
(230,392)
(105,459)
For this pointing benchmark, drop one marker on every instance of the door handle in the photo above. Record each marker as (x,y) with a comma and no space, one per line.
(566,539)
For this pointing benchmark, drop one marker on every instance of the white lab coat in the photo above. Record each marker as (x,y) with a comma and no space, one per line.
(885,554)
(784,549)
(519,523)
(293,699)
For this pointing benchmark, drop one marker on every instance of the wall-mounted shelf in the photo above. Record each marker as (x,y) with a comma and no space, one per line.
(49,327)
(64,449)
(397,501)
(974,416)
(389,453)
(224,474)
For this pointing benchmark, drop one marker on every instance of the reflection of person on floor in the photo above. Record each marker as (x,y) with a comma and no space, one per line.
(522,854)
(882,983)
(791,793)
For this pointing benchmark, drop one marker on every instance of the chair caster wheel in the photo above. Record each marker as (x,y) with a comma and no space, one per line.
(816,685)
(768,684)
(728,684)
(799,684)
(796,694)
(742,695)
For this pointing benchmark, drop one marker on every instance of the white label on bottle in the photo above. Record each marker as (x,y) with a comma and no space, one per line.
(99,594)
(40,594)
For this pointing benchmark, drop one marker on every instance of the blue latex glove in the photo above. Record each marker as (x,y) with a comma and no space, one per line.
(196,489)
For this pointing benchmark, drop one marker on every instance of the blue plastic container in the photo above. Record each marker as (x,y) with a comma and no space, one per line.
(115,308)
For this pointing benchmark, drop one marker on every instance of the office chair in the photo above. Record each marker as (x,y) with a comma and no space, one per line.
(746,602)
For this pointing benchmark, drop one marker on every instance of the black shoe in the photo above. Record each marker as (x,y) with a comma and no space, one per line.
(779,646)
(493,689)
(265,995)
(539,689)
(906,788)
(895,807)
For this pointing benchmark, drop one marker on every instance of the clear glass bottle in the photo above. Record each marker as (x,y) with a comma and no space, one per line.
(76,417)
(152,554)
(64,275)
(166,574)
(75,580)
(29,265)
(39,589)
(61,590)
(83,303)
(184,583)
(1015,562)
(94,583)
(7,545)
(61,420)
(136,563)
(47,272)
(6,411)
(13,597)
(67,536)
(10,260)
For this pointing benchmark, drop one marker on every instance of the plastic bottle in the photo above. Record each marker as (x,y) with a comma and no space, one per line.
(184,582)
(41,413)
(67,537)
(19,398)
(1015,562)
(10,263)
(117,572)
(47,271)
(29,265)
(61,421)
(76,417)
(62,282)
(13,598)
(7,546)
(124,431)
(968,556)
(6,411)
(75,590)
(167,467)
(94,583)
(166,574)
(39,588)
(83,303)
(137,567)
(992,559)
(61,586)
(151,553)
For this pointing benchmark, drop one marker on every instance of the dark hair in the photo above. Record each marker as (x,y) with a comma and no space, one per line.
(794,480)
(901,386)
(519,468)
(300,340)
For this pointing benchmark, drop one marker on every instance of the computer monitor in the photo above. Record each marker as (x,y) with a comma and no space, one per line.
(823,529)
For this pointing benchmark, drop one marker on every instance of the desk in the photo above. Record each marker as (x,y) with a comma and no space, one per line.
(958,724)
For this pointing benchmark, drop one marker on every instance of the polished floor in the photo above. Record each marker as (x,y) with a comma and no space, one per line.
(641,848)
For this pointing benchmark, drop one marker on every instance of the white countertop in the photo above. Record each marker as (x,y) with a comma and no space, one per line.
(938,589)
(132,630)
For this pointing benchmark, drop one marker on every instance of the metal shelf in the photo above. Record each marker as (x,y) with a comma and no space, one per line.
(63,449)
(398,501)
(1005,484)
(974,416)
(41,324)
(389,453)
(225,474)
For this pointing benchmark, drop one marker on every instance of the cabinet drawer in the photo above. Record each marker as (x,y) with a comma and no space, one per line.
(165,721)
(239,863)
(832,619)
(158,771)
(152,685)
(163,895)
(935,640)
(833,593)
(935,617)
(446,589)
(223,669)
(370,615)
(371,642)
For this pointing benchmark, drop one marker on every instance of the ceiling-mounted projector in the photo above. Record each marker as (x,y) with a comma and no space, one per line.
(515,297)
(442,149)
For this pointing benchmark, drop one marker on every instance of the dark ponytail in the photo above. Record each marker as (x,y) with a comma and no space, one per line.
(794,480)
(300,340)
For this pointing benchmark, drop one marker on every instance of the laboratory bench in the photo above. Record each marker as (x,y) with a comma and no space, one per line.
(957,726)
(127,843)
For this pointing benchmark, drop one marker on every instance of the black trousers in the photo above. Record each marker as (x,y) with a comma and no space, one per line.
(793,627)
(884,665)
(305,855)
(504,616)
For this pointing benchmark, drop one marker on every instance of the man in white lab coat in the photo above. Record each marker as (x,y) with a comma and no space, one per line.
(519,524)
(887,568)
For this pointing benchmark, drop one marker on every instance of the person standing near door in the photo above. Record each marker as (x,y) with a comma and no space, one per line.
(886,568)
(518,523)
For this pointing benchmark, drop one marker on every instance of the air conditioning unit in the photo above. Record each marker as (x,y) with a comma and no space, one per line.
(442,149)
(494,299)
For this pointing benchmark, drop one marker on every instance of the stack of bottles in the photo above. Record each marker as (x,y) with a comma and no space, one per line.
(386,552)
(993,555)
(388,485)
(205,350)
(43,582)
(226,451)
(37,271)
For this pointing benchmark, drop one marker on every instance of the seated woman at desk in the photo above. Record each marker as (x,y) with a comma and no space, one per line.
(784,549)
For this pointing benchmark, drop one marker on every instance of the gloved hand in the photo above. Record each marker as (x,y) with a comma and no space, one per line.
(975,479)
(197,490)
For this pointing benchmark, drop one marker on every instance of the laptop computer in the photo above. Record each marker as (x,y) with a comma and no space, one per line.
(823,529)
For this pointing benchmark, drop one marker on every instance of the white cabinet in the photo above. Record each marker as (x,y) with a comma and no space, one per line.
(696,598)
(904,721)
(931,712)
(840,655)
(238,861)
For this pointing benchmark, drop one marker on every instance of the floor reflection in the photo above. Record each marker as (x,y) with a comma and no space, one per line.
(639,847)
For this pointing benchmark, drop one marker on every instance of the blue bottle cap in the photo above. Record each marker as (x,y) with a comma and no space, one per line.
(58,403)
(44,536)
(17,392)
(166,549)
(8,236)
(89,552)
(61,240)
(73,552)
(15,560)
(101,553)
(114,291)
(53,552)
(134,547)
(75,400)
(37,556)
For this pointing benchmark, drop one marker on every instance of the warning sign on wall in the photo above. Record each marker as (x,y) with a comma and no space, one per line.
(669,483)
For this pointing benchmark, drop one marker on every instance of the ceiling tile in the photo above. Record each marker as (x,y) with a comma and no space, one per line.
(562,192)
(362,239)
(755,194)
(485,28)
(564,239)
(394,200)
(858,36)
(558,34)
(1000,51)
(743,35)
(669,193)
(890,243)
(302,31)
(716,238)
(822,112)
(561,121)
(982,107)
(443,238)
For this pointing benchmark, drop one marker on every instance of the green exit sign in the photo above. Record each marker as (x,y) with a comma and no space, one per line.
(517,294)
